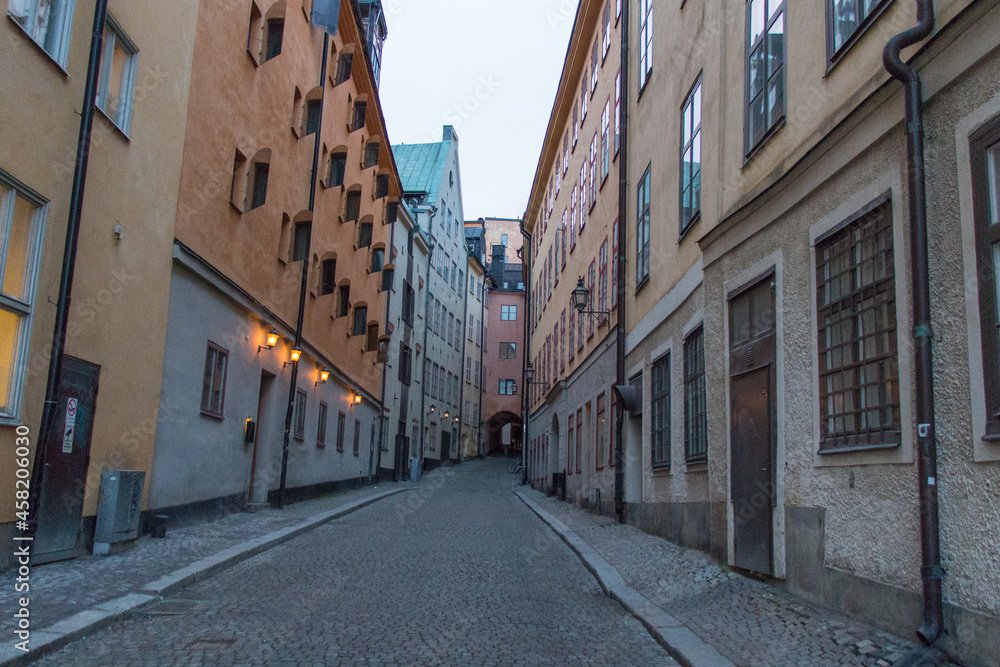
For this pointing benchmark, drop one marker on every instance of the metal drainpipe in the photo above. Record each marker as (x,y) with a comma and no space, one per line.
(427,284)
(303,288)
(385,365)
(525,386)
(461,381)
(930,537)
(620,319)
(482,370)
(68,265)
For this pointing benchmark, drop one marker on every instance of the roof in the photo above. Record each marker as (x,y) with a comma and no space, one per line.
(421,167)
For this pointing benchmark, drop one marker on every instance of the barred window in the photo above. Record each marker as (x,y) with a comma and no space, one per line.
(661,413)
(856,316)
(695,419)
(985,156)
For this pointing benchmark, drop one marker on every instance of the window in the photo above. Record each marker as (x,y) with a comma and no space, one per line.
(593,171)
(602,429)
(344,65)
(562,341)
(360,111)
(321,425)
(765,69)
(364,235)
(371,343)
(856,318)
(985,154)
(691,157)
(344,301)
(236,189)
(583,195)
(312,116)
(357,436)
(275,34)
(508,350)
(602,281)
(570,444)
(576,124)
(614,264)
(378,259)
(405,364)
(341,427)
(21,230)
(476,375)
(645,41)
(591,288)
(213,388)
(338,168)
(381,186)
(605,140)
(506,387)
(593,65)
(579,437)
(695,407)
(388,275)
(565,160)
(618,112)
(328,279)
(118,68)
(391,215)
(660,404)
(846,20)
(352,207)
(468,369)
(572,220)
(409,303)
(299,421)
(508,313)
(300,246)
(606,29)
(371,155)
(503,240)
(642,231)
(572,332)
(48,22)
(360,321)
(583,97)
(261,171)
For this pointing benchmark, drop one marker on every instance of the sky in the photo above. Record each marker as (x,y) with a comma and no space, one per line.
(490,68)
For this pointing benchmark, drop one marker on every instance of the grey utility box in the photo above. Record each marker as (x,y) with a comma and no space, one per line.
(119,509)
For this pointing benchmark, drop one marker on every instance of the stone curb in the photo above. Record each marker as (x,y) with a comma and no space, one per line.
(682,644)
(88,621)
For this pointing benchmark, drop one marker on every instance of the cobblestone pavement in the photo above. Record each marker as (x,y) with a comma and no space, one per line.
(61,589)
(748,621)
(459,572)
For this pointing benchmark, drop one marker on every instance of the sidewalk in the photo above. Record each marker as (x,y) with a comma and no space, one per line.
(747,621)
(59,590)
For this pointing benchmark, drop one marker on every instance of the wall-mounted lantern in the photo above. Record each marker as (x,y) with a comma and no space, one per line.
(272,340)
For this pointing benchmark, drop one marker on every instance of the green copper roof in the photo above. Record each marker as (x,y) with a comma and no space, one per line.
(421,167)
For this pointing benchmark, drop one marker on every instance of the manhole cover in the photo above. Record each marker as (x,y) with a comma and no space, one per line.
(175,607)
(210,644)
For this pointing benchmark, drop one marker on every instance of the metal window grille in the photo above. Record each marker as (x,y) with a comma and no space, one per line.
(695,420)
(661,413)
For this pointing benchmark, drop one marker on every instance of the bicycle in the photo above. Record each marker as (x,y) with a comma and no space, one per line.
(515,467)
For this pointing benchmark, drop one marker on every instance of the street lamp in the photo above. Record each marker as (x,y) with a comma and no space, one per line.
(580,297)
(324,376)
(272,340)
(296,354)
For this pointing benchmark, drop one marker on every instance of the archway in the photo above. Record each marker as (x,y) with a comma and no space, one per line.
(503,434)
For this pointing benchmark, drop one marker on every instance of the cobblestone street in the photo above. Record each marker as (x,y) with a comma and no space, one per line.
(458,572)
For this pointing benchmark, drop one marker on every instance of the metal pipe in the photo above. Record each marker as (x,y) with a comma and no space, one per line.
(461,381)
(423,394)
(482,369)
(620,318)
(305,277)
(526,386)
(69,263)
(385,364)
(931,572)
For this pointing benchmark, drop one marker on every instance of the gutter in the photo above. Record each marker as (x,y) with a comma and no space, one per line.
(930,533)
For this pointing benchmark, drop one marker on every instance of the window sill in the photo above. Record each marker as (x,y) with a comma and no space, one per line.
(13,422)
(213,415)
(320,445)
(696,466)
(763,140)
(690,225)
(642,283)
(59,66)
(661,470)
(859,448)
(643,86)
(114,125)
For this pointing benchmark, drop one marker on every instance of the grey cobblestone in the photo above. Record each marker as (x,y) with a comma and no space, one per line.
(459,572)
(62,589)
(749,622)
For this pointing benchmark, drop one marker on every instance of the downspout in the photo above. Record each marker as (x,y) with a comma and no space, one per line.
(930,537)
(461,382)
(303,288)
(427,283)
(525,385)
(620,319)
(69,264)
(385,365)
(482,369)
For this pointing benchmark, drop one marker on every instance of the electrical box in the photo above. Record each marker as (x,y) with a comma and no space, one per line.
(119,508)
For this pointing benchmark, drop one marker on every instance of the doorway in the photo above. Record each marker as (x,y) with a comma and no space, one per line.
(445,445)
(752,355)
(259,479)
(67,457)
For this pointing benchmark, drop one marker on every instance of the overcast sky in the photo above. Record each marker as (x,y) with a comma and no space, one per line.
(488,67)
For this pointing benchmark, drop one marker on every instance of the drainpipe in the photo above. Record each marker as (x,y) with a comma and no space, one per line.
(525,386)
(385,365)
(482,369)
(303,288)
(69,264)
(620,319)
(461,381)
(931,572)
(427,283)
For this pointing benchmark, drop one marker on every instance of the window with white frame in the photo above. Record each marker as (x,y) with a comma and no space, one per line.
(642,230)
(118,67)
(691,157)
(645,40)
(506,387)
(605,137)
(22,219)
(48,22)
(765,105)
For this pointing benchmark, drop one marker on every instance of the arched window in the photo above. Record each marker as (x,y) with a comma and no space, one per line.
(378,259)
(344,298)
(328,275)
(297,111)
(274,31)
(360,320)
(338,167)
(255,36)
(364,235)
(310,118)
(352,204)
(371,154)
(345,63)
(260,171)
(360,115)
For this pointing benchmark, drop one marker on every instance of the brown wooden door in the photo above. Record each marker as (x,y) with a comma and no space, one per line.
(752,416)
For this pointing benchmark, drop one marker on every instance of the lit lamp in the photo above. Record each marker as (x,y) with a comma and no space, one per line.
(446,414)
(456,420)
(324,375)
(296,355)
(272,340)
(580,297)
(357,399)
(433,409)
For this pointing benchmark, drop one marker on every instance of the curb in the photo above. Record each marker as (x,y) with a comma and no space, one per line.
(104,614)
(682,644)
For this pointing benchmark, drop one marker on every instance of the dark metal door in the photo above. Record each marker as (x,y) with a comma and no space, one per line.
(445,445)
(751,366)
(67,456)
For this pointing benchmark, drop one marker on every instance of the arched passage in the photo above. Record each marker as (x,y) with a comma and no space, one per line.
(503,433)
